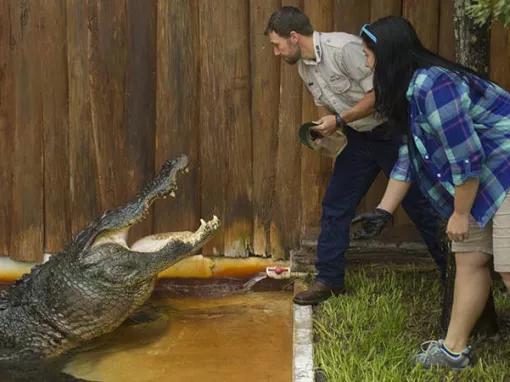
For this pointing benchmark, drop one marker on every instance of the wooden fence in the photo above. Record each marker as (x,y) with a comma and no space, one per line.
(95,95)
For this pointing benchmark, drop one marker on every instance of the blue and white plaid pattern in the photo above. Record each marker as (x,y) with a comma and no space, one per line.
(459,134)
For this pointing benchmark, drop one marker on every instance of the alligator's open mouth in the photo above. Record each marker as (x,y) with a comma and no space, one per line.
(118,222)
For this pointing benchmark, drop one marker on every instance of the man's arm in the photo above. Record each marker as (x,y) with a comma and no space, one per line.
(395,192)
(362,109)
(327,122)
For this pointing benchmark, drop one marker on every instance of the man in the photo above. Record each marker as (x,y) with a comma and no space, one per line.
(332,65)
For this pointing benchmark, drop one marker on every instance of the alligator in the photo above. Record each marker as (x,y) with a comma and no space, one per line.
(97,281)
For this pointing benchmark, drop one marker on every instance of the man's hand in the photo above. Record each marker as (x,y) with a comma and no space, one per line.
(457,228)
(326,125)
(372,223)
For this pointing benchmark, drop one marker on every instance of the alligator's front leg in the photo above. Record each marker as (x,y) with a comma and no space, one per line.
(178,246)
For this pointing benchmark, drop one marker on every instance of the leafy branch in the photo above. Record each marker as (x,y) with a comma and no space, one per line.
(487,11)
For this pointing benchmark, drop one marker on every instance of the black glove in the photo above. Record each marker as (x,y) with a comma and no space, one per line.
(372,223)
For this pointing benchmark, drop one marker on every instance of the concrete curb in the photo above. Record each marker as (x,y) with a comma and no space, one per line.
(302,353)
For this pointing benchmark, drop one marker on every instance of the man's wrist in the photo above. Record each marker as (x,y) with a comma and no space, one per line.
(339,121)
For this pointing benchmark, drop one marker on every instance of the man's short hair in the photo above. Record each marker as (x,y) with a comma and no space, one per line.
(288,19)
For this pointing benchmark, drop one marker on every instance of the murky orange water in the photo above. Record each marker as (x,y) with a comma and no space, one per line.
(244,337)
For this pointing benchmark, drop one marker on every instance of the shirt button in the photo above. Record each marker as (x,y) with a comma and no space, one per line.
(426,157)
(439,175)
(467,161)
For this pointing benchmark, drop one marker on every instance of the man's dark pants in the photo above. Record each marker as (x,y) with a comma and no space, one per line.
(365,155)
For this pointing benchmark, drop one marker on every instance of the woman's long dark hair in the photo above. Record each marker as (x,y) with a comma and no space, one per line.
(398,53)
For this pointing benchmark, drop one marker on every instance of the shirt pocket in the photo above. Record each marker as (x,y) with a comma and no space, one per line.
(339,85)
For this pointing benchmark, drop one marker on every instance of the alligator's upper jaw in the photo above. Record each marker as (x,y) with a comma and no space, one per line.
(166,181)
(116,223)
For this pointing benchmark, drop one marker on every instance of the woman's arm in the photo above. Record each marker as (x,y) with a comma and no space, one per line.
(458,224)
(395,192)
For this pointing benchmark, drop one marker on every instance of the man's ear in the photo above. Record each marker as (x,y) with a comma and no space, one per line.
(294,36)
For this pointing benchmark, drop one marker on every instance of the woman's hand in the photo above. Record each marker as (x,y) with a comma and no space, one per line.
(457,228)
(326,125)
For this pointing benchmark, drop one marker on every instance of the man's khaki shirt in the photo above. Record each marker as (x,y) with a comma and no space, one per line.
(338,77)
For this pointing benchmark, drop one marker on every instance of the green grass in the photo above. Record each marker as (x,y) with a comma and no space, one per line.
(372,333)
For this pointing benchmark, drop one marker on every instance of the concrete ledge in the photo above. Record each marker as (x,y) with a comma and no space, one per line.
(302,357)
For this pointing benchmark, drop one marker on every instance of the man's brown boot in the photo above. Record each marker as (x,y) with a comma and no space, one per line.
(316,293)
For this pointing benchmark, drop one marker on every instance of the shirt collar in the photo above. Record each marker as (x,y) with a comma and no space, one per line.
(317,48)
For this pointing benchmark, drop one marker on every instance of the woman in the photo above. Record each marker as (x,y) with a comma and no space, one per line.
(458,152)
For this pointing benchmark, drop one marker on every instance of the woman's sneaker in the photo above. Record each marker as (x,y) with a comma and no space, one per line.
(435,353)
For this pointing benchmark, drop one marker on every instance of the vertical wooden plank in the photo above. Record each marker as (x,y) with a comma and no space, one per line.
(286,222)
(107,60)
(55,124)
(84,198)
(225,144)
(382,8)
(424,15)
(178,109)
(138,128)
(315,169)
(213,157)
(350,15)
(446,33)
(27,187)
(239,209)
(6,124)
(265,77)
(500,55)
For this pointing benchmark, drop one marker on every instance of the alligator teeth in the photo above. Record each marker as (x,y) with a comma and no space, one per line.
(202,221)
(186,170)
(172,194)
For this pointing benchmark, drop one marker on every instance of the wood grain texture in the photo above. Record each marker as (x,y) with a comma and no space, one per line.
(424,15)
(27,221)
(83,167)
(500,55)
(446,46)
(225,141)
(286,221)
(350,15)
(139,114)
(96,94)
(6,125)
(265,79)
(382,8)
(178,109)
(55,124)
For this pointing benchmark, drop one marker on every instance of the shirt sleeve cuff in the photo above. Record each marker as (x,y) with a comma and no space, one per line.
(399,174)
(318,103)
(460,176)
(367,83)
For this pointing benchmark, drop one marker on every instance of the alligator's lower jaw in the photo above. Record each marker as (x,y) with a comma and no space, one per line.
(155,243)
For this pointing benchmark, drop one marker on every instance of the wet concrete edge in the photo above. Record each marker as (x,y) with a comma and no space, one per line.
(302,340)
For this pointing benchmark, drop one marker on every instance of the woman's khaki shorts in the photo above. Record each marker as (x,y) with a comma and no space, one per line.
(493,239)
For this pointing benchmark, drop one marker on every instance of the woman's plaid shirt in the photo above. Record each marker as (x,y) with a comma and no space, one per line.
(461,130)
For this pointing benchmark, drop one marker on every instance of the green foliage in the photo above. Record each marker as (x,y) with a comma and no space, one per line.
(372,333)
(487,11)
